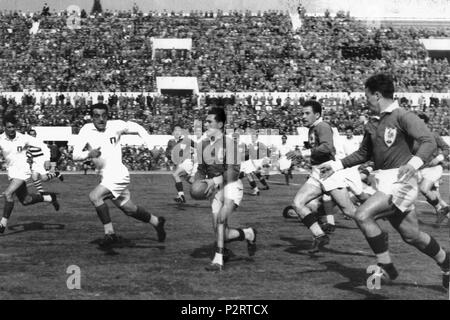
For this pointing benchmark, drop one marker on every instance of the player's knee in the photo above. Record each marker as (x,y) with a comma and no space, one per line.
(411,237)
(94,197)
(9,196)
(361,216)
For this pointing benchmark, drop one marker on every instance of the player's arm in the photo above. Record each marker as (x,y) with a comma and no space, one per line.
(442,145)
(79,152)
(418,130)
(202,171)
(363,154)
(133,127)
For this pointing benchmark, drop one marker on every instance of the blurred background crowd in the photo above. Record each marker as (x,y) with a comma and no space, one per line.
(233,52)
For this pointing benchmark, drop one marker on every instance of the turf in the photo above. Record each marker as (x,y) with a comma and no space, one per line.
(40,244)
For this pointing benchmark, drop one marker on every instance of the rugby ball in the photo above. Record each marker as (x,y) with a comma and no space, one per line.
(198,189)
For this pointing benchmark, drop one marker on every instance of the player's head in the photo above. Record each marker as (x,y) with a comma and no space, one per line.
(379,87)
(254,136)
(312,111)
(349,132)
(10,124)
(424,117)
(32,133)
(177,131)
(99,114)
(283,138)
(215,121)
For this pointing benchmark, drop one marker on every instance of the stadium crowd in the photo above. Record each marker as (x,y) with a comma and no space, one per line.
(238,52)
(232,52)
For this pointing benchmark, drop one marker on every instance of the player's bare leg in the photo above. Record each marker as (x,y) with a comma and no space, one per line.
(307,193)
(139,213)
(407,226)
(433,197)
(37,179)
(9,202)
(365,218)
(179,172)
(19,188)
(97,197)
(225,234)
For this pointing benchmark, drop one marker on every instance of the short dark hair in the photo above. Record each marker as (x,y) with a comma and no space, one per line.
(10,117)
(383,83)
(424,117)
(315,106)
(100,106)
(219,114)
(176,125)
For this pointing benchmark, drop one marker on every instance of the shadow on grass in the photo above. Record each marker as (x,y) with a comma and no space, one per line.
(33,226)
(301,247)
(123,243)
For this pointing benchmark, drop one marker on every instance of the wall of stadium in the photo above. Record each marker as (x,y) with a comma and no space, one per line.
(401,9)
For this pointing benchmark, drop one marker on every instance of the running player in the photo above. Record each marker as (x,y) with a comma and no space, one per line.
(430,175)
(219,167)
(101,138)
(320,136)
(38,157)
(14,146)
(396,180)
(284,164)
(188,167)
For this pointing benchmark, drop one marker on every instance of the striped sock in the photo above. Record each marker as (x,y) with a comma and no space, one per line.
(38,185)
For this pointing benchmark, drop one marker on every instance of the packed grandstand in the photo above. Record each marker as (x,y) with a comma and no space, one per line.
(255,65)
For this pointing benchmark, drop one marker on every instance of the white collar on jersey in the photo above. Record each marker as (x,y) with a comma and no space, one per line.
(317,122)
(394,105)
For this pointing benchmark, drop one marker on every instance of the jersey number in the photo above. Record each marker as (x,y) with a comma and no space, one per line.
(113,140)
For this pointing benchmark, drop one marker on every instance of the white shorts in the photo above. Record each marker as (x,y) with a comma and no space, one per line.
(403,194)
(189,166)
(284,163)
(335,181)
(118,185)
(22,172)
(232,191)
(248,167)
(352,180)
(432,174)
(39,166)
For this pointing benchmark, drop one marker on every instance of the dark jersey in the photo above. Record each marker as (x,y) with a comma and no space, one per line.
(390,143)
(442,146)
(219,157)
(320,138)
(258,151)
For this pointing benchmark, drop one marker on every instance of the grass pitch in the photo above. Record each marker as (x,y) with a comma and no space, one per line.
(40,244)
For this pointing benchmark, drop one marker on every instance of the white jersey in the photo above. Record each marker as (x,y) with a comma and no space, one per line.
(14,150)
(110,160)
(350,145)
(284,149)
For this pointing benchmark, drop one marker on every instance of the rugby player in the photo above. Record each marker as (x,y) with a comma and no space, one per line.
(101,138)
